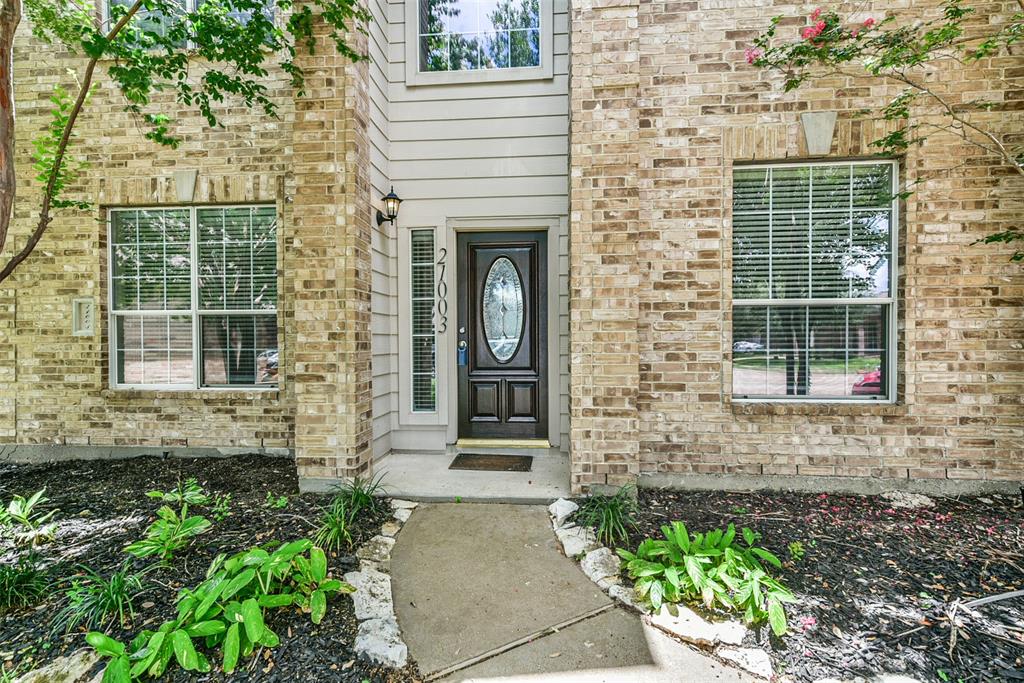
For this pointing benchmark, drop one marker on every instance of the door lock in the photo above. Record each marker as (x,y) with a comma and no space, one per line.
(463,353)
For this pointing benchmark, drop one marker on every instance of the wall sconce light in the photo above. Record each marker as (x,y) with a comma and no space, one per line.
(391,204)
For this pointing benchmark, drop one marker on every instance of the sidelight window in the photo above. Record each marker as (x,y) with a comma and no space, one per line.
(424,344)
(814,266)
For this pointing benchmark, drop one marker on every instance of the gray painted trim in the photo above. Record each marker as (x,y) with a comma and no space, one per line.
(31,454)
(816,484)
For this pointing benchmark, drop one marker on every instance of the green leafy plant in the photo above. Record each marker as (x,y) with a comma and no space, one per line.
(796,551)
(169,533)
(275,502)
(227,612)
(612,516)
(30,527)
(711,568)
(361,493)
(22,584)
(221,508)
(190,493)
(94,601)
(335,520)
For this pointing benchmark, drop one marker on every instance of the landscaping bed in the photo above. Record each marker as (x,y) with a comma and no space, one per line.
(871,573)
(102,506)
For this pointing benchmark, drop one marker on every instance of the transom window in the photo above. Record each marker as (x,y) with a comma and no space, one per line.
(466,35)
(813,277)
(193,297)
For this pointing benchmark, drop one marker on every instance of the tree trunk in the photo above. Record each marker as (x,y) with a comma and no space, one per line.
(10,17)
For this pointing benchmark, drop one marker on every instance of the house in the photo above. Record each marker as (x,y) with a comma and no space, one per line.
(613,244)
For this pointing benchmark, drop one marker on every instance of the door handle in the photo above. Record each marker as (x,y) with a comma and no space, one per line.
(463,353)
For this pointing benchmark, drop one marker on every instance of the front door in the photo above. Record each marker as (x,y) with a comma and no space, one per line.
(502,347)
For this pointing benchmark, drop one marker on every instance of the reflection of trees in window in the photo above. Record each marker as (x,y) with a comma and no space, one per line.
(460,35)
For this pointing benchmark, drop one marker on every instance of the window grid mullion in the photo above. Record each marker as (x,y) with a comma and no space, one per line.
(193,238)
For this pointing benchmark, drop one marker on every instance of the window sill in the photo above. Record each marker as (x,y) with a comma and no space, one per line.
(415,78)
(810,407)
(253,394)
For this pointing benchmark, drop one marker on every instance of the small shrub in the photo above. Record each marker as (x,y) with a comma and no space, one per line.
(30,527)
(22,584)
(221,508)
(169,533)
(227,612)
(796,551)
(93,601)
(189,493)
(610,515)
(712,568)
(335,521)
(275,502)
(361,493)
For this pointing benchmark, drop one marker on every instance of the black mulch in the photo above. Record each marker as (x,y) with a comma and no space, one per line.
(102,507)
(872,573)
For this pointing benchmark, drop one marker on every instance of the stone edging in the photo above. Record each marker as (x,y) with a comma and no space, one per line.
(603,567)
(379,639)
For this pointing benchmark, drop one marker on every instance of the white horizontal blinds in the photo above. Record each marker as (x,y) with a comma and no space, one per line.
(237,286)
(151,296)
(424,376)
(188,280)
(812,246)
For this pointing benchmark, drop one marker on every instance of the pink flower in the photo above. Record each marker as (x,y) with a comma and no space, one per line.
(807,623)
(823,496)
(815,14)
(752,54)
(854,32)
(812,32)
(869,22)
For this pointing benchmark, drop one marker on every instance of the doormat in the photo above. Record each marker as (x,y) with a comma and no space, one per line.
(492,463)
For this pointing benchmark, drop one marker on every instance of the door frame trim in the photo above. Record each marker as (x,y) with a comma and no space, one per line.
(551,225)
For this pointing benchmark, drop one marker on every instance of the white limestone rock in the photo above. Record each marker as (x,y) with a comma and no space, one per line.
(372,599)
(378,550)
(561,510)
(602,566)
(691,627)
(70,669)
(752,659)
(403,514)
(628,598)
(903,499)
(399,504)
(390,529)
(380,641)
(576,540)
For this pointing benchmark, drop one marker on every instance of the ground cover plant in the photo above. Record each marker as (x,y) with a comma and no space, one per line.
(610,515)
(94,600)
(103,508)
(876,584)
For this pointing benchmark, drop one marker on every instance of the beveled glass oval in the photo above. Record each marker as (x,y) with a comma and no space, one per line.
(503,309)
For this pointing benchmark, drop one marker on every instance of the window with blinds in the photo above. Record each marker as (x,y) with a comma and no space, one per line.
(424,375)
(813,278)
(194,297)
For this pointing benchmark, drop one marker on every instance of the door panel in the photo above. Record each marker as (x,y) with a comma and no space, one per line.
(502,335)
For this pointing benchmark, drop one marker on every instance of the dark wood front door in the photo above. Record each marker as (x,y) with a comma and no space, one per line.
(502,351)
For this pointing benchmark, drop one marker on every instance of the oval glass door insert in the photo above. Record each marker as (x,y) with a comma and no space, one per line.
(503,309)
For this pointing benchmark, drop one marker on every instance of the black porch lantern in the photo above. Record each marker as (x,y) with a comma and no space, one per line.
(391,203)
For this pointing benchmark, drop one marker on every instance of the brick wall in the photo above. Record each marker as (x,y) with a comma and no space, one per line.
(55,388)
(663,106)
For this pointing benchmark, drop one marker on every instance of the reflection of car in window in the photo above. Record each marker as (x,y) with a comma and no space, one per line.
(870,383)
(747,347)
(266,366)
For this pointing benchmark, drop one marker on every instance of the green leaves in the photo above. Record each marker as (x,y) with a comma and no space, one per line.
(231,648)
(169,533)
(252,619)
(612,516)
(711,568)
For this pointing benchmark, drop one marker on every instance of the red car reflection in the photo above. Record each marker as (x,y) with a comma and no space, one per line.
(869,384)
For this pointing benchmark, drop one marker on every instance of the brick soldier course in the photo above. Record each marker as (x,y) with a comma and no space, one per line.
(662,107)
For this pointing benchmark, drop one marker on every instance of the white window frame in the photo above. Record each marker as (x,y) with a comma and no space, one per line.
(414,77)
(195,312)
(412,332)
(890,318)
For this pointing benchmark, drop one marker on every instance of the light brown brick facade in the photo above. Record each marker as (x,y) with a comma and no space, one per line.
(663,106)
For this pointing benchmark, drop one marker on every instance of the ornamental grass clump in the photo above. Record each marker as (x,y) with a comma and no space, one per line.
(95,600)
(711,568)
(611,516)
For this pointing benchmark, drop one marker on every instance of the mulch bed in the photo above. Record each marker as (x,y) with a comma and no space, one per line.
(102,507)
(871,573)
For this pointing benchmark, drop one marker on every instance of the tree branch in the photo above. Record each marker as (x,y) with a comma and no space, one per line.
(58,161)
(10,17)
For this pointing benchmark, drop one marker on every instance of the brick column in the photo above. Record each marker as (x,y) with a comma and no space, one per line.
(327,256)
(604,230)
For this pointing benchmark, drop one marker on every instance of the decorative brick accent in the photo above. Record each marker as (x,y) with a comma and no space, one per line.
(651,279)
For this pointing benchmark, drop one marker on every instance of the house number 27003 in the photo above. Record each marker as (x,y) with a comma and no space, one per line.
(442,292)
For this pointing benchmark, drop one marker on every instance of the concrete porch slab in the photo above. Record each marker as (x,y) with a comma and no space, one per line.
(426,477)
(468,579)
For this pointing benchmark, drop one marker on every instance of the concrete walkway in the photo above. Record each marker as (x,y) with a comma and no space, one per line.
(483,593)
